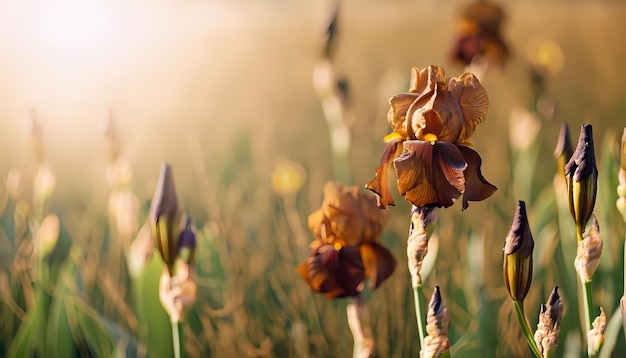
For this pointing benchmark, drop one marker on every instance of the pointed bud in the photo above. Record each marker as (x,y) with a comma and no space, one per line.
(588,252)
(164,217)
(595,337)
(518,255)
(48,234)
(187,243)
(436,343)
(564,150)
(548,327)
(582,180)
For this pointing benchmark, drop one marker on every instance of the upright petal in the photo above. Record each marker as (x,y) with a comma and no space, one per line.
(397,115)
(379,185)
(430,174)
(473,100)
(477,188)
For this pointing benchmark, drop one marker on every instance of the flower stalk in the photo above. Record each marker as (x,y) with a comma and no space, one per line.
(177,286)
(518,268)
(582,178)
(422,224)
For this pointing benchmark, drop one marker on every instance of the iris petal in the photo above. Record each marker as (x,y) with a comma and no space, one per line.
(397,115)
(379,263)
(477,188)
(379,185)
(473,100)
(430,174)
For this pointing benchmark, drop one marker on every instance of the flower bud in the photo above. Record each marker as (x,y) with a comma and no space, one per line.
(436,343)
(548,327)
(187,243)
(595,337)
(564,150)
(164,217)
(582,180)
(518,255)
(44,183)
(588,252)
(48,234)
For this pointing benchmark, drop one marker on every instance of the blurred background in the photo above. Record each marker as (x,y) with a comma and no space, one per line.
(223,91)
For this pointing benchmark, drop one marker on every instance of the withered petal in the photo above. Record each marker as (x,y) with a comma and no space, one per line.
(430,174)
(473,100)
(379,185)
(477,188)
(378,261)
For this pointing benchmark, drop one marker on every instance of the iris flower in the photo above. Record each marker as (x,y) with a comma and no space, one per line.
(429,146)
(345,251)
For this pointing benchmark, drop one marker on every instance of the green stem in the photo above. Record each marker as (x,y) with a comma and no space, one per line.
(179,339)
(420,313)
(519,309)
(588,308)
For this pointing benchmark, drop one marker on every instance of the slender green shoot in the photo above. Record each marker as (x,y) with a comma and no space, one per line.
(528,334)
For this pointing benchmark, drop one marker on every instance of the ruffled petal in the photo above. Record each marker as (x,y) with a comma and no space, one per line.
(336,273)
(379,185)
(473,100)
(430,173)
(379,263)
(477,188)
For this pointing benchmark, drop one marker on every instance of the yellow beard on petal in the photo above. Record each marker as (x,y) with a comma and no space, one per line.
(430,137)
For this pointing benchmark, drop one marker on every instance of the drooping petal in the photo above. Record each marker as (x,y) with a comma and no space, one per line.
(379,263)
(336,273)
(477,188)
(397,115)
(374,217)
(430,173)
(379,185)
(473,100)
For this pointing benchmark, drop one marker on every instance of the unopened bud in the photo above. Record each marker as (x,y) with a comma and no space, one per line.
(582,180)
(44,184)
(589,252)
(164,218)
(518,255)
(564,150)
(187,243)
(548,327)
(48,234)
(436,343)
(595,337)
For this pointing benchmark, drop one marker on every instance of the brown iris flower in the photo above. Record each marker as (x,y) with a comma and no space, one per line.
(432,125)
(345,251)
(479,34)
